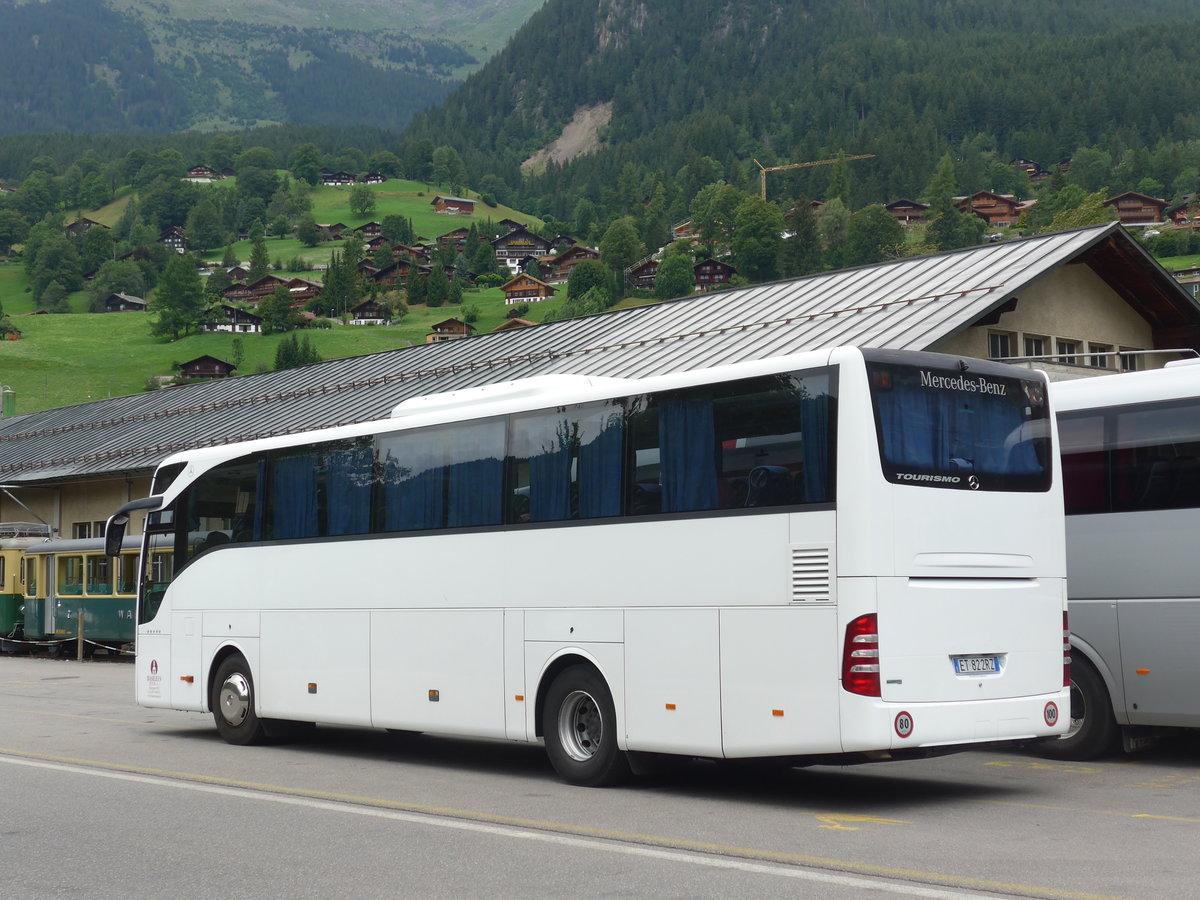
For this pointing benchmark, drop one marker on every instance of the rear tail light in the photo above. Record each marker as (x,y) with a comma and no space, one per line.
(1066,653)
(860,657)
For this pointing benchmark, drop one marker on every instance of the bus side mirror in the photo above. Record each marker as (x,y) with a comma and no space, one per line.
(114,528)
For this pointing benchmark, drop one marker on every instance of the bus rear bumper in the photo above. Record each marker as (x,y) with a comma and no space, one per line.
(870,724)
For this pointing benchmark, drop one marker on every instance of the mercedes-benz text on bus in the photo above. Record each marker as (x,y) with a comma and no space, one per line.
(846,554)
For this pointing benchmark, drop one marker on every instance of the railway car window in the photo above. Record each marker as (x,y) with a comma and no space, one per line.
(99,575)
(69,575)
(126,565)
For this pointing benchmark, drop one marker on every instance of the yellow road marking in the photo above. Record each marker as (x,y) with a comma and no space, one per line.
(54,715)
(834,823)
(579,830)
(1039,766)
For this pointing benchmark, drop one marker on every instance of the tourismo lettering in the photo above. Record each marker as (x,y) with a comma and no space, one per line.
(962,383)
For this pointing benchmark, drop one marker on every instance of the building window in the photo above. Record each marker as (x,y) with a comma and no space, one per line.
(1000,345)
(1035,345)
(1067,351)
(1130,360)
(81,530)
(1101,356)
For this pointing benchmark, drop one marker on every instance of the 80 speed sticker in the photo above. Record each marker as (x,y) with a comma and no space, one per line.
(904,724)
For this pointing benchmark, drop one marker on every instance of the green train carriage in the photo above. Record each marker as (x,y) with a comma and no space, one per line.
(15,539)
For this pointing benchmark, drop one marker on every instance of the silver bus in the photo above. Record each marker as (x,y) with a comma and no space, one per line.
(1131,481)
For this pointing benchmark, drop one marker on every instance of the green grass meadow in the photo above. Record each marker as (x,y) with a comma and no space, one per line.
(62,360)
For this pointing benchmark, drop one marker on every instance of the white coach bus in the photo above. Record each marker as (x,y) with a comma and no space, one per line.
(1131,479)
(846,554)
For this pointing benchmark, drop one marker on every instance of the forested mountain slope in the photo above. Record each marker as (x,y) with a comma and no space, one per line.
(787,81)
(83,66)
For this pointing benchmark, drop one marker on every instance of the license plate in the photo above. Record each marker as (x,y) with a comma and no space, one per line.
(975,665)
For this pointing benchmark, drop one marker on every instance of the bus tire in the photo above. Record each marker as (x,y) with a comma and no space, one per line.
(232,703)
(1093,729)
(580,724)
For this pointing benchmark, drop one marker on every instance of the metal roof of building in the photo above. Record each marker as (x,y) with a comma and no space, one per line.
(905,304)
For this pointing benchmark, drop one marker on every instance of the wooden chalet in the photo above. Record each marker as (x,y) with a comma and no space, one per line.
(998,210)
(374,178)
(303,290)
(119,302)
(330,178)
(396,273)
(202,174)
(524,288)
(239,291)
(369,312)
(224,317)
(511,324)
(264,287)
(453,206)
(561,242)
(683,231)
(558,267)
(377,243)
(238,272)
(332,232)
(172,236)
(907,212)
(449,330)
(82,226)
(206,367)
(1132,208)
(1033,169)
(519,244)
(369,230)
(641,275)
(711,273)
(416,251)
(456,238)
(510,224)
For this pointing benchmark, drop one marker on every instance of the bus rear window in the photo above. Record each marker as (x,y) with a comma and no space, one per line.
(973,429)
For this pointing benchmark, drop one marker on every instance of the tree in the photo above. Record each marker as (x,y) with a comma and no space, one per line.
(756,241)
(362,201)
(872,234)
(833,222)
(306,163)
(13,229)
(676,276)
(1091,211)
(943,185)
(397,229)
(713,210)
(277,313)
(801,253)
(953,230)
(117,276)
(179,301)
(307,231)
(437,286)
(448,168)
(260,259)
(591,273)
(203,227)
(621,247)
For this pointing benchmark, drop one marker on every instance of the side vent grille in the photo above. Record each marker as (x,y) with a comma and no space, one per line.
(810,575)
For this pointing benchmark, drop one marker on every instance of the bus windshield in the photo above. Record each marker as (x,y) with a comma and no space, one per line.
(961,428)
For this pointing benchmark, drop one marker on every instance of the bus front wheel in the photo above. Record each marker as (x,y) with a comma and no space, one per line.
(233,703)
(580,725)
(1093,729)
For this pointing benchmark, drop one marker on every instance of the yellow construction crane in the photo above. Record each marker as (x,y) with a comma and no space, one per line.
(763,170)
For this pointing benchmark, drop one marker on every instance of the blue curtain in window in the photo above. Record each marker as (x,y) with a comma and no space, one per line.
(475,474)
(815,428)
(348,490)
(600,470)
(550,478)
(476,489)
(946,431)
(294,497)
(412,500)
(687,454)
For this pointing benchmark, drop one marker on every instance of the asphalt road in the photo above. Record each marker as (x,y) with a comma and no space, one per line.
(100,798)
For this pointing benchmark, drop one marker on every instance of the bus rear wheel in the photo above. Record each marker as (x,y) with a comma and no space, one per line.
(232,703)
(1093,730)
(580,729)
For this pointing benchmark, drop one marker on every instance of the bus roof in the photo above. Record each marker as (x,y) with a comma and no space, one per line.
(1125,388)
